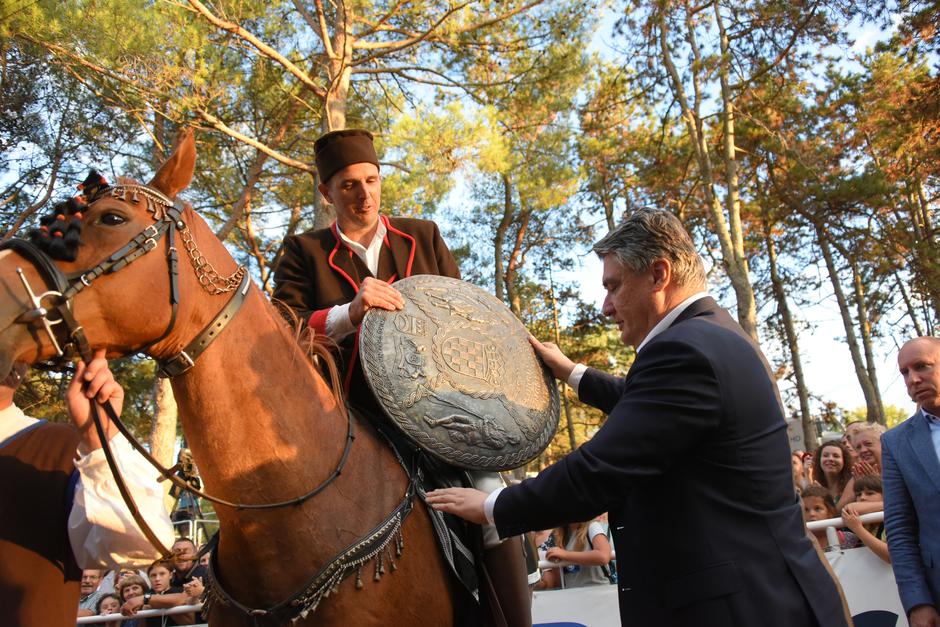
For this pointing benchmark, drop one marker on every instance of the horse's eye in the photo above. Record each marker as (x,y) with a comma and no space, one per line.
(113,219)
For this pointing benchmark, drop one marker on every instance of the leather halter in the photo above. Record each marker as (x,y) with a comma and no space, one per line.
(375,545)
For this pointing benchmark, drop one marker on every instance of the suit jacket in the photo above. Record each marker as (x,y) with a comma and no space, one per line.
(317,271)
(693,466)
(911,474)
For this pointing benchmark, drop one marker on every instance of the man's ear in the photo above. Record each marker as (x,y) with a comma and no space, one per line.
(325,192)
(661,271)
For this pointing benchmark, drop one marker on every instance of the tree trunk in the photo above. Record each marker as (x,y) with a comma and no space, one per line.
(500,236)
(732,258)
(163,434)
(562,385)
(783,308)
(865,327)
(516,259)
(334,106)
(860,371)
(911,312)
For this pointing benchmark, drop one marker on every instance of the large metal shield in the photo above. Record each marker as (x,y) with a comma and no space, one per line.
(455,371)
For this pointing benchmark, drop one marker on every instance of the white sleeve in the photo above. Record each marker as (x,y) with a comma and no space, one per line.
(102,531)
(338,324)
(489,504)
(574,379)
(596,529)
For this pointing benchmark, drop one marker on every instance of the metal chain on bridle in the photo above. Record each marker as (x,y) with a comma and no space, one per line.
(62,290)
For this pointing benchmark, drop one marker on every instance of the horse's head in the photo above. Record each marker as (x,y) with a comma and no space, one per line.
(119,277)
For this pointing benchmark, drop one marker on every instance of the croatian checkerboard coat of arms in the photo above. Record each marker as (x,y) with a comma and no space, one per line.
(455,371)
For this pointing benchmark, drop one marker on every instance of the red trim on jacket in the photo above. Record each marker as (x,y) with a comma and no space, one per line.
(414,244)
(317,320)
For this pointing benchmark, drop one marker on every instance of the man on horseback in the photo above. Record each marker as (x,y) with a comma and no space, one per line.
(61,513)
(331,277)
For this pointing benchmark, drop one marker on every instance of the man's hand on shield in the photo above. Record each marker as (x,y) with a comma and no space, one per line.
(556,361)
(374,293)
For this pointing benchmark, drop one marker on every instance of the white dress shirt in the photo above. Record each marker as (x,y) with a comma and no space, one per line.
(102,532)
(338,324)
(574,379)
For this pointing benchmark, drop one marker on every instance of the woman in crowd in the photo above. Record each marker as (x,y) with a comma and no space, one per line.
(799,471)
(832,469)
(867,443)
(586,546)
(130,588)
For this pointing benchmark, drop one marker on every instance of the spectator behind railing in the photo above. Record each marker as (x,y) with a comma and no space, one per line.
(868,498)
(162,596)
(800,480)
(818,505)
(832,469)
(131,589)
(586,546)
(89,591)
(867,443)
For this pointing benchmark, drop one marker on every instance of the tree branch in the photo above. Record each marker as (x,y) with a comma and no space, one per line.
(260,46)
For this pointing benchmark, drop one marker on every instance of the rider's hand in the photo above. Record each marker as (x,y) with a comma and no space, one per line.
(556,361)
(93,381)
(374,293)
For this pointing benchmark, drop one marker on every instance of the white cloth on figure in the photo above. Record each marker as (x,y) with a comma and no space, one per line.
(101,530)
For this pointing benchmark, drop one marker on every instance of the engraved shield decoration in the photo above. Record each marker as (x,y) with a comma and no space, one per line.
(455,371)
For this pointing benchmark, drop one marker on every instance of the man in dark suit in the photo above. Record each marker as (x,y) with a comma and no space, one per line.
(911,471)
(693,462)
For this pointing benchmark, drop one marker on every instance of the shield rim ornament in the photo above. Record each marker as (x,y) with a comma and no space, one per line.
(376,367)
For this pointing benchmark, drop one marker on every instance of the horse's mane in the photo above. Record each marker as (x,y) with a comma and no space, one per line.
(318,349)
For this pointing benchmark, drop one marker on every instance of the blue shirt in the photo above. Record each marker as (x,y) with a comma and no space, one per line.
(934,423)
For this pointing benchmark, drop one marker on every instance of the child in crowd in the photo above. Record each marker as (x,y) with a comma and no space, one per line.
(818,505)
(586,545)
(131,588)
(167,595)
(110,603)
(868,498)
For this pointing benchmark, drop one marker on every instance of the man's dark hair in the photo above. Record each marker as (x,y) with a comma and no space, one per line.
(647,235)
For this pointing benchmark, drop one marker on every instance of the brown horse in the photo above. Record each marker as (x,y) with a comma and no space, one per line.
(262,422)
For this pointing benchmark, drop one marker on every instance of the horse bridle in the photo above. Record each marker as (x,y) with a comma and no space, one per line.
(62,289)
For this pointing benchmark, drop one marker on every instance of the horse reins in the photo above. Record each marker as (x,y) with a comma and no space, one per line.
(169,220)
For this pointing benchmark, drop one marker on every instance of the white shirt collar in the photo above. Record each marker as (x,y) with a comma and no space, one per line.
(370,254)
(669,318)
(12,421)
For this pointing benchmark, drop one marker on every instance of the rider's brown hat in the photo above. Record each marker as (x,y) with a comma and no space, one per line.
(338,149)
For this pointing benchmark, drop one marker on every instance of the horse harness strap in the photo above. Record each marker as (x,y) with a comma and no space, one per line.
(376,544)
(186,358)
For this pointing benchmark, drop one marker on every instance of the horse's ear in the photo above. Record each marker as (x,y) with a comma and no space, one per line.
(176,173)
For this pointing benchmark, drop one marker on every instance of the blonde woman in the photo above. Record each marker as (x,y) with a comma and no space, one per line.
(587,547)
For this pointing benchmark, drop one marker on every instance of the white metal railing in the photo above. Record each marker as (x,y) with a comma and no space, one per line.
(830,525)
(115,618)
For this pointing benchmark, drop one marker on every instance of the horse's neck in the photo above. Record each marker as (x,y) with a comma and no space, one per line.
(251,406)
(264,427)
